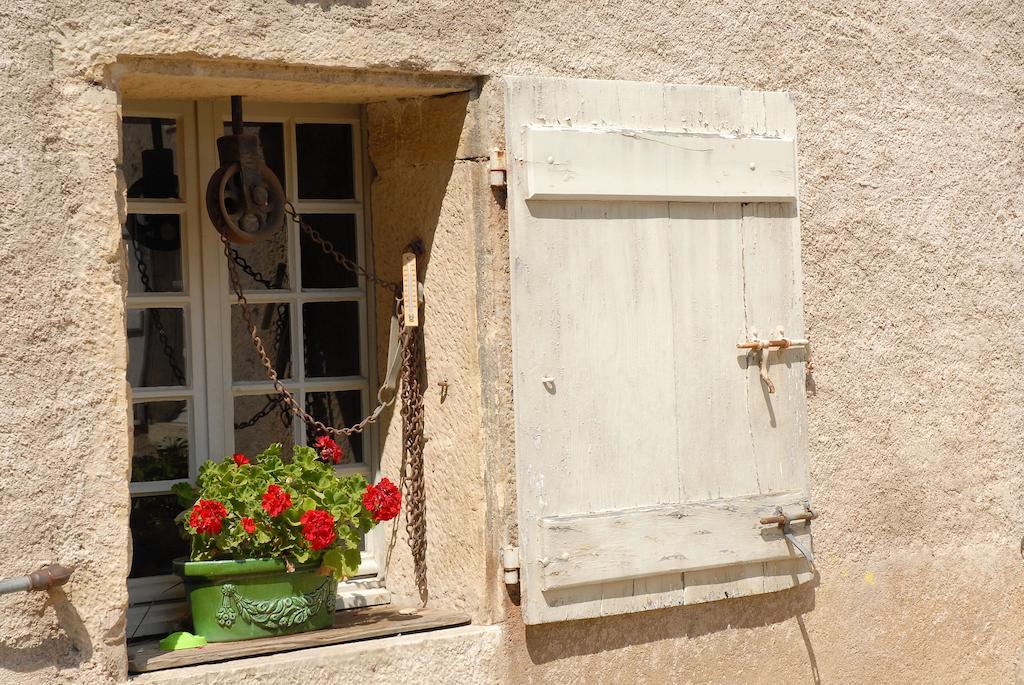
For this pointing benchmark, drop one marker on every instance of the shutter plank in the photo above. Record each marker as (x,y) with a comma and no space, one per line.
(573,164)
(650,541)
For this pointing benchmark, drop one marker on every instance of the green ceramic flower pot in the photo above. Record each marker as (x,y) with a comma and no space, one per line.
(239,600)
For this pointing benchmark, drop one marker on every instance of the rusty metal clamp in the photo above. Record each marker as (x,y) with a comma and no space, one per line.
(783,521)
(764,348)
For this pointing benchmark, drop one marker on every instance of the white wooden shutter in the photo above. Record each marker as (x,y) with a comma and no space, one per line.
(652,227)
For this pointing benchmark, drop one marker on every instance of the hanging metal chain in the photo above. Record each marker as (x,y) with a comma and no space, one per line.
(411,341)
(413,477)
(287,398)
(154,314)
(328,247)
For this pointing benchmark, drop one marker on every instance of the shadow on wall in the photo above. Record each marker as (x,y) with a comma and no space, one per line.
(554,641)
(66,647)
(413,147)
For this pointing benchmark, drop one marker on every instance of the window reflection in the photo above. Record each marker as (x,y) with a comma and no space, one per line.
(156,347)
(325,154)
(341,408)
(149,163)
(153,244)
(331,340)
(320,270)
(161,448)
(259,421)
(155,536)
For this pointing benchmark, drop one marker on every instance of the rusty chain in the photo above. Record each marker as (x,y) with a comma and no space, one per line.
(411,341)
(412,478)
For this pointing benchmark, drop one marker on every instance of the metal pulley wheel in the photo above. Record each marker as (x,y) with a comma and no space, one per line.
(244,198)
(245,213)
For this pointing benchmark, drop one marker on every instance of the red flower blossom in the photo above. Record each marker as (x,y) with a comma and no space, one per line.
(328,449)
(276,500)
(207,516)
(383,501)
(318,528)
(240,459)
(249,525)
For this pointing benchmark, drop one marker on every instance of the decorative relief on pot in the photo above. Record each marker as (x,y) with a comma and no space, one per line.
(272,614)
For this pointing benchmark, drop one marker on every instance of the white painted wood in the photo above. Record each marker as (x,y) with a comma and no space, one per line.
(649,541)
(632,165)
(629,392)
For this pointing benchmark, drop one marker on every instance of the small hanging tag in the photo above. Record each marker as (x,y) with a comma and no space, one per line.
(410,290)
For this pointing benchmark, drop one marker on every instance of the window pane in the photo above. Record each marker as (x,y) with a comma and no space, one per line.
(331,338)
(156,539)
(325,161)
(263,265)
(274,328)
(161,441)
(156,347)
(260,421)
(153,242)
(148,157)
(320,270)
(271,145)
(341,409)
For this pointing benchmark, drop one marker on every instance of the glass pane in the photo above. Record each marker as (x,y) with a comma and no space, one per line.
(274,328)
(156,539)
(341,409)
(271,145)
(153,242)
(331,338)
(161,441)
(325,161)
(260,421)
(319,270)
(149,162)
(156,347)
(263,265)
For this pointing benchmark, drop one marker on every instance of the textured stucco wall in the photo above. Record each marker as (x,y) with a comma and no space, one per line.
(910,120)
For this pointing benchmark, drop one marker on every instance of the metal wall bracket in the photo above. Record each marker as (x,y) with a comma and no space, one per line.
(510,564)
(498,171)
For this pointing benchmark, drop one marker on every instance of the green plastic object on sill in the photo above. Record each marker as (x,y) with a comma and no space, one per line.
(182,640)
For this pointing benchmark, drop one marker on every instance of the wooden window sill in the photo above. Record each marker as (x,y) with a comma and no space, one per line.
(351,625)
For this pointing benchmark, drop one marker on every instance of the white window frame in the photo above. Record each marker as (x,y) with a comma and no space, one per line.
(207,302)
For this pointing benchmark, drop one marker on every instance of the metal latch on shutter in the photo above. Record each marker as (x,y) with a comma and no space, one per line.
(783,520)
(765,347)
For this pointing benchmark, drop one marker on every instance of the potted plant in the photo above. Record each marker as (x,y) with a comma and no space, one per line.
(271,539)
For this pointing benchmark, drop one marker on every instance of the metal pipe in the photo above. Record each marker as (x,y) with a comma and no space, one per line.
(43,579)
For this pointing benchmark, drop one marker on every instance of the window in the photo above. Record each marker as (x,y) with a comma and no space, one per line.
(198,389)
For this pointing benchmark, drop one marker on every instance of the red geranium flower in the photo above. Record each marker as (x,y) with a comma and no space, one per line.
(207,516)
(383,501)
(240,459)
(276,500)
(328,449)
(249,525)
(318,528)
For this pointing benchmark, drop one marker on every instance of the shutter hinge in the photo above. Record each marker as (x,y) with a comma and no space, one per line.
(510,564)
(498,171)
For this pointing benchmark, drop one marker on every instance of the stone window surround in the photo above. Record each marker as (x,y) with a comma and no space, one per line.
(155,78)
